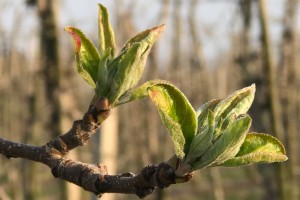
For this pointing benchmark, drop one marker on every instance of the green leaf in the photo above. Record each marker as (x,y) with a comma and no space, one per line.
(202,141)
(87,56)
(102,88)
(222,124)
(105,33)
(149,34)
(227,145)
(239,103)
(258,147)
(126,70)
(177,115)
(203,111)
(140,92)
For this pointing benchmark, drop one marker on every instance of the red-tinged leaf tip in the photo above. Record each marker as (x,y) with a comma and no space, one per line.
(159,28)
(75,37)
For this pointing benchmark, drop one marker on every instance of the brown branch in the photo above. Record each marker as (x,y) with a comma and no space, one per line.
(93,178)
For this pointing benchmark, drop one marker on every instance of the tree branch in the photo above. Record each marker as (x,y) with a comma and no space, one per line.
(93,178)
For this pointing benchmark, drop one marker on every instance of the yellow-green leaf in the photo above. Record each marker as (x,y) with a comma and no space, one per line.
(239,103)
(149,34)
(227,145)
(177,115)
(258,147)
(202,113)
(140,92)
(202,141)
(87,56)
(105,33)
(126,70)
(102,75)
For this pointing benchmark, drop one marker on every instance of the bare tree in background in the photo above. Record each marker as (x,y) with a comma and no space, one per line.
(289,79)
(47,10)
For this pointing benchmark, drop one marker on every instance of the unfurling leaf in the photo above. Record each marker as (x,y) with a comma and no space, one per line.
(126,70)
(140,92)
(258,147)
(106,35)
(102,87)
(202,141)
(203,111)
(87,56)
(239,103)
(177,114)
(227,145)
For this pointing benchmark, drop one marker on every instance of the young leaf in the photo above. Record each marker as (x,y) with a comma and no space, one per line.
(177,114)
(258,147)
(202,113)
(105,33)
(126,70)
(140,92)
(87,56)
(145,35)
(202,141)
(227,145)
(239,102)
(102,75)
(203,110)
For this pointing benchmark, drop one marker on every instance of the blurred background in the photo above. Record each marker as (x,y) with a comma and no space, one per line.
(210,48)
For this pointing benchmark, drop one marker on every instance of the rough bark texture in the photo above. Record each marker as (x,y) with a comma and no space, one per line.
(91,177)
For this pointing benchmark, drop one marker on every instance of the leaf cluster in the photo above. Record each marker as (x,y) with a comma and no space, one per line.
(216,134)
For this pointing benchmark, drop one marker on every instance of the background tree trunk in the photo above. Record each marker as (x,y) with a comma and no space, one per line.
(49,46)
(289,80)
(273,94)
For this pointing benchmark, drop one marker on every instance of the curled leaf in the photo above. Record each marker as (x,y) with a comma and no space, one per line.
(149,34)
(203,111)
(202,141)
(140,92)
(258,147)
(227,145)
(105,33)
(239,103)
(126,70)
(177,115)
(102,87)
(87,56)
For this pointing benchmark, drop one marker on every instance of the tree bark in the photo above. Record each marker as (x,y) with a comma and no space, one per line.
(92,177)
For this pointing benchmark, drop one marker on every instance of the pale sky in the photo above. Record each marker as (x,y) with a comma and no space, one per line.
(217,19)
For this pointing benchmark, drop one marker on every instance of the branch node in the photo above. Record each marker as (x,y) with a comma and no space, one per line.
(165,175)
(102,168)
(143,192)
(148,172)
(102,185)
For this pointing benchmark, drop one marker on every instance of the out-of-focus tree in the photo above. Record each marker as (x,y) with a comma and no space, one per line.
(289,81)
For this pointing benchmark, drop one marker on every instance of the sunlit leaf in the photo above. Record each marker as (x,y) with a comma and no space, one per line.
(258,147)
(149,34)
(177,114)
(202,141)
(227,145)
(140,92)
(203,111)
(126,70)
(102,75)
(239,103)
(105,32)
(87,56)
